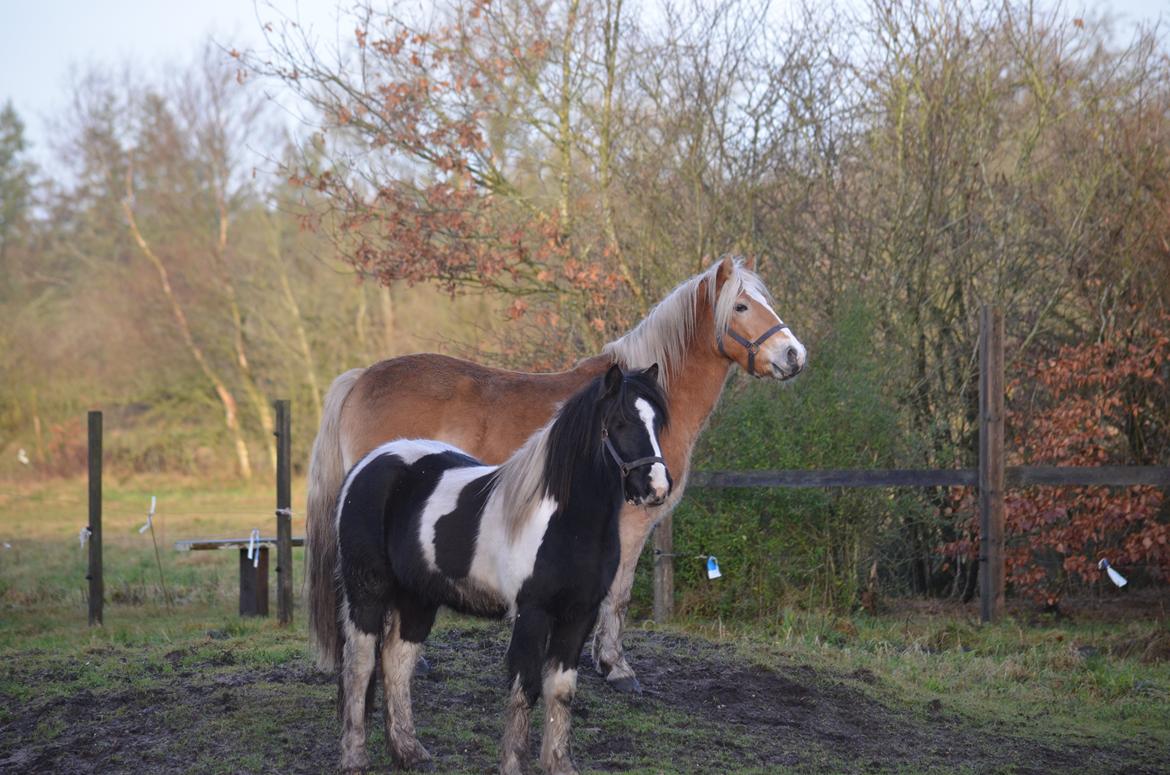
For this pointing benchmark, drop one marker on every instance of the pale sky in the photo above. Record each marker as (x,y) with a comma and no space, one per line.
(41,41)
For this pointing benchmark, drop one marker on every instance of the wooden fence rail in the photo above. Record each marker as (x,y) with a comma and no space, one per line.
(991,477)
(1014,476)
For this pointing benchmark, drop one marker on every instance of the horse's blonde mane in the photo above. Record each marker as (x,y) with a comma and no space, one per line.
(666,332)
(521,480)
(662,337)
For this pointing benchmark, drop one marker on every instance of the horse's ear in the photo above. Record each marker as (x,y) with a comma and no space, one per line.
(726,267)
(750,262)
(651,373)
(613,380)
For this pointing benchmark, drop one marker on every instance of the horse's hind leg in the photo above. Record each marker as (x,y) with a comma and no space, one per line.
(525,657)
(402,636)
(357,666)
(559,688)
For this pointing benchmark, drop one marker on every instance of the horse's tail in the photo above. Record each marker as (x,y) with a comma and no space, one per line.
(326,474)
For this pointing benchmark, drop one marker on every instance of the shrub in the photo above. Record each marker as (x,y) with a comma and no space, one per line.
(780,546)
(1089,404)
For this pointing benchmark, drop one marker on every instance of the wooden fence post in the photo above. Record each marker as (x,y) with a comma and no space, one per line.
(97,589)
(284,564)
(991,464)
(664,570)
(254,582)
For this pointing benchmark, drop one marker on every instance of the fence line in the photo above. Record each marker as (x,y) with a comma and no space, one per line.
(1014,476)
(991,477)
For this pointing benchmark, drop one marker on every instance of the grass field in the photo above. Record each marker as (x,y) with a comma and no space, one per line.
(194,688)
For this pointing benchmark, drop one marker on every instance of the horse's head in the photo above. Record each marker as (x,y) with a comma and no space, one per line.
(633,412)
(747,329)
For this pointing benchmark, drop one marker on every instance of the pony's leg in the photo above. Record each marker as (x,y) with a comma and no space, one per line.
(525,658)
(402,635)
(357,668)
(560,685)
(609,658)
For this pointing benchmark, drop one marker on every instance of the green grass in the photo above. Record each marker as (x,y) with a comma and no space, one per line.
(1100,679)
(1105,680)
(46,564)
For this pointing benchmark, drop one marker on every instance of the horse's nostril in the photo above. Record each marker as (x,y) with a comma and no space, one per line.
(792,356)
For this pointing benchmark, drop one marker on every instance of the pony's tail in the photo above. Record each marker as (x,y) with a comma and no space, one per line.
(326,474)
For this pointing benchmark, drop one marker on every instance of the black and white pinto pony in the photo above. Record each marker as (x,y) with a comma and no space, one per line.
(422,524)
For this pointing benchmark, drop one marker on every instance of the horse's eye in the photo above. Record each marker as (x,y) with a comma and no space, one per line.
(741,307)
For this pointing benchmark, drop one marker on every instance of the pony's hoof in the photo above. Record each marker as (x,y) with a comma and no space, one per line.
(515,765)
(626,685)
(562,766)
(352,765)
(410,755)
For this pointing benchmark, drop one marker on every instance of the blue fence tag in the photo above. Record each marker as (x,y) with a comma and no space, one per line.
(713,568)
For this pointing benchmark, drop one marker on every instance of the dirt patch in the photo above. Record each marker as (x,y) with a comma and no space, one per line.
(704,710)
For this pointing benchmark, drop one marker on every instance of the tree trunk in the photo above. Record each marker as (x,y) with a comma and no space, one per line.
(564,118)
(255,396)
(298,321)
(605,152)
(231,412)
(387,303)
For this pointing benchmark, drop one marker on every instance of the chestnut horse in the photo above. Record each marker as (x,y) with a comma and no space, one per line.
(710,321)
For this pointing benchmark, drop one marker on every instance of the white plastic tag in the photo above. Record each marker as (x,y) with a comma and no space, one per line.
(713,568)
(149,516)
(1114,576)
(253,547)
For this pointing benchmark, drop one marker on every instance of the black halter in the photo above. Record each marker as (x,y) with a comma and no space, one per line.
(751,347)
(623,465)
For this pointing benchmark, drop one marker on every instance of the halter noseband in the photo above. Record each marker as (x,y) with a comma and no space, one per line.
(751,347)
(623,465)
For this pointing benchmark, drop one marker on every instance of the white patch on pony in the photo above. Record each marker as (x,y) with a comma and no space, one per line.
(657,471)
(410,450)
(560,682)
(502,565)
(442,501)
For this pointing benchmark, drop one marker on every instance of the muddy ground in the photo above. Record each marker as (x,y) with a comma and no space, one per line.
(212,708)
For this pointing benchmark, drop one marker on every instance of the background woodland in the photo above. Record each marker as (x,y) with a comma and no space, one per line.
(519,181)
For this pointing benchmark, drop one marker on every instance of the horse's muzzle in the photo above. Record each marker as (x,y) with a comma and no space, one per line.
(788,362)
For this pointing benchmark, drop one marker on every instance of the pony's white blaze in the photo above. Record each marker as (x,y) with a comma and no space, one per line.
(657,471)
(503,566)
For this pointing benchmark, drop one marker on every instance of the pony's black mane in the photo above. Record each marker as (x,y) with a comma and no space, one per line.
(576,431)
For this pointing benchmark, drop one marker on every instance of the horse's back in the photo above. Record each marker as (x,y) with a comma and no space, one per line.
(487,412)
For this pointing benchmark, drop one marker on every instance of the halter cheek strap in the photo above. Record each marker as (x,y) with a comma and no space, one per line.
(623,465)
(751,347)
